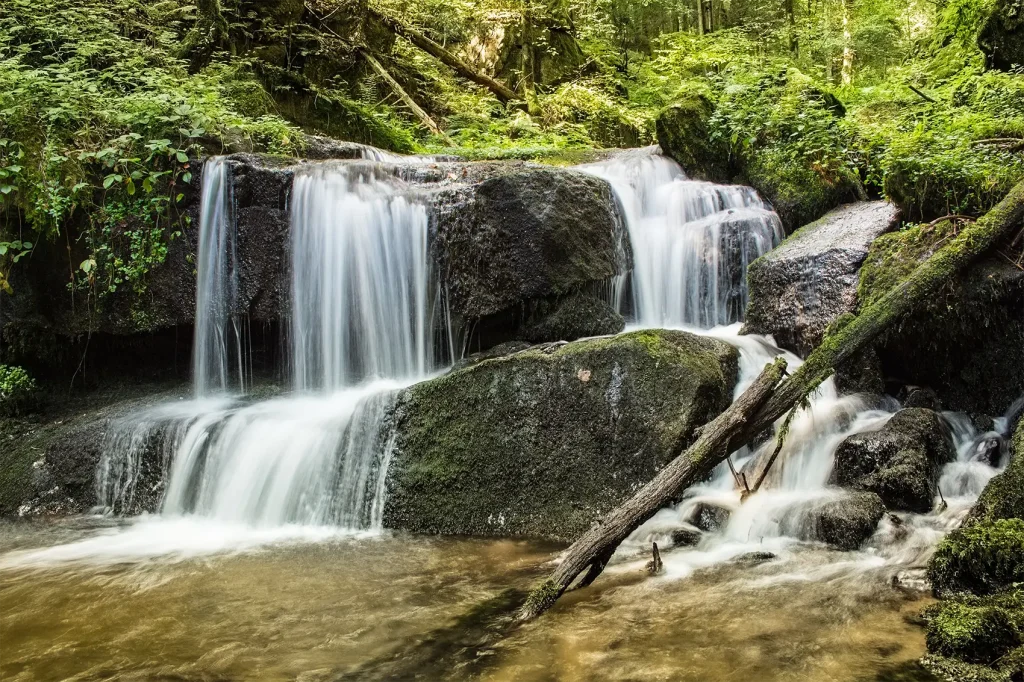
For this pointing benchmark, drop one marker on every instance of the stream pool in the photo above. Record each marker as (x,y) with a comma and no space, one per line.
(162,600)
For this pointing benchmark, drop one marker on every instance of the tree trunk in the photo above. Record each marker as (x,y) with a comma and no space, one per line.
(700,17)
(794,48)
(504,93)
(846,73)
(756,410)
(406,98)
(596,546)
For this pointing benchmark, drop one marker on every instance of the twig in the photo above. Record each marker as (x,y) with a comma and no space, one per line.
(921,94)
(951,216)
(780,440)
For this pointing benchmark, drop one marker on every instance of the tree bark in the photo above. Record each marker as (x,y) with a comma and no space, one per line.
(760,406)
(596,546)
(406,98)
(503,92)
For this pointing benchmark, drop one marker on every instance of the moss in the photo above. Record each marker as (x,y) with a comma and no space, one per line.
(982,558)
(975,634)
(798,193)
(544,441)
(895,255)
(684,134)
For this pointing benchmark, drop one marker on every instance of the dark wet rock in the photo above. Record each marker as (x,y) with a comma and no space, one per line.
(1001,38)
(1003,497)
(686,537)
(901,461)
(988,449)
(710,517)
(802,286)
(573,318)
(755,558)
(923,397)
(845,523)
(546,441)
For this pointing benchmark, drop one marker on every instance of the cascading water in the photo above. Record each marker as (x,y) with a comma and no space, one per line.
(362,325)
(692,241)
(217,350)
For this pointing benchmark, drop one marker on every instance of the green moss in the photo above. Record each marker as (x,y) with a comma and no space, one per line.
(895,255)
(975,634)
(684,133)
(982,558)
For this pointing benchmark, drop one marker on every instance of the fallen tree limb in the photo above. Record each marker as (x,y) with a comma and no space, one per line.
(597,544)
(736,427)
(503,92)
(406,98)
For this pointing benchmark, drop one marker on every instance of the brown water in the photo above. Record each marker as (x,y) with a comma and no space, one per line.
(401,607)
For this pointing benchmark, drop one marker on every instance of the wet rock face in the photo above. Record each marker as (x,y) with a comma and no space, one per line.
(807,282)
(900,462)
(1003,497)
(526,232)
(847,522)
(544,442)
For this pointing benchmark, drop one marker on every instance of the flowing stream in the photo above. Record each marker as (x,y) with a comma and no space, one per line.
(268,560)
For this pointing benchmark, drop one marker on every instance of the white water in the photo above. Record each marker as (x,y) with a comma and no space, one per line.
(691,241)
(217,353)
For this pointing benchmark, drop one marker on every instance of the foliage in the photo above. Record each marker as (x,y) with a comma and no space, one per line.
(982,558)
(17,390)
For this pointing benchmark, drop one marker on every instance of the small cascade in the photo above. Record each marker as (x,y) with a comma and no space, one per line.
(363,298)
(218,363)
(691,241)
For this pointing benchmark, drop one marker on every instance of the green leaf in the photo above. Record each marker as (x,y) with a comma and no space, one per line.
(87,266)
(108,181)
(182,157)
(187,177)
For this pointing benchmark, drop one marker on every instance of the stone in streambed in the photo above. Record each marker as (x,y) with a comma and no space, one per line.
(710,517)
(900,462)
(544,442)
(847,522)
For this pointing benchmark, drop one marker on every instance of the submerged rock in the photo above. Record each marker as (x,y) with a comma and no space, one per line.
(544,442)
(755,558)
(802,286)
(901,461)
(710,517)
(845,523)
(686,537)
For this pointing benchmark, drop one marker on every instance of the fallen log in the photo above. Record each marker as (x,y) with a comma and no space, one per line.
(503,92)
(406,98)
(595,547)
(767,400)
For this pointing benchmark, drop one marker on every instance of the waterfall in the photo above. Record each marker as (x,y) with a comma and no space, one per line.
(362,294)
(361,324)
(217,350)
(692,241)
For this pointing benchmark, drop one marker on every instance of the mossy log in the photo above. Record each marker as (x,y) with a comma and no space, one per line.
(760,406)
(503,92)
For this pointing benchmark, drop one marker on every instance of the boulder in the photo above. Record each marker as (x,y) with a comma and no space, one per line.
(802,286)
(684,134)
(966,342)
(975,631)
(686,537)
(845,523)
(983,558)
(544,442)
(901,462)
(1001,38)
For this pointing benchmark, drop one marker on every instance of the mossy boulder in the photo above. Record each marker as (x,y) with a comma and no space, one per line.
(544,442)
(982,558)
(1001,38)
(803,285)
(900,462)
(975,631)
(684,134)
(967,341)
(845,523)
